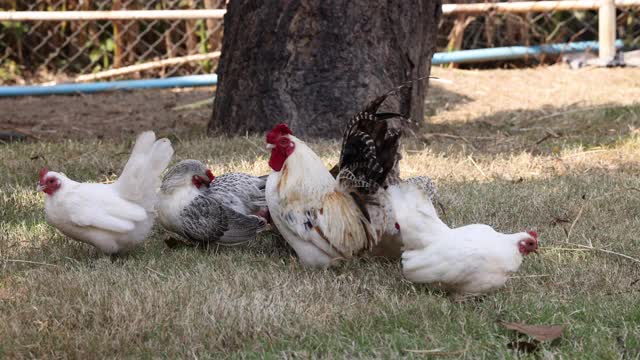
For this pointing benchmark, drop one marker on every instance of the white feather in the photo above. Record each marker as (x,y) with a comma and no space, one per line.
(320,222)
(112,217)
(469,259)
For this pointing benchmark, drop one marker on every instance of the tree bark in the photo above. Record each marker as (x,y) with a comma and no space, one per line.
(314,64)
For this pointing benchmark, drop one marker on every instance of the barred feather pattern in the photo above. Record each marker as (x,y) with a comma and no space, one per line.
(348,180)
(370,146)
(379,167)
(425,184)
(208,220)
(224,213)
(246,192)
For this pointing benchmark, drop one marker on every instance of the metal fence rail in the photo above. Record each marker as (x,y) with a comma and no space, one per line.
(37,51)
(488,25)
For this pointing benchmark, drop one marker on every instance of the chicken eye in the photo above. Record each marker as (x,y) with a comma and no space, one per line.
(284,142)
(51,181)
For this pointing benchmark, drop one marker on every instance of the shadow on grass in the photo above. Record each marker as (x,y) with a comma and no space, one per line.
(540,131)
(439,98)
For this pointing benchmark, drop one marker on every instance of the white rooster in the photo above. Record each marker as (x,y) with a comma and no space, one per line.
(112,217)
(324,218)
(471,259)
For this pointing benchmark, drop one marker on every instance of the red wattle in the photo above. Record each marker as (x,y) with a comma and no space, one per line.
(277,159)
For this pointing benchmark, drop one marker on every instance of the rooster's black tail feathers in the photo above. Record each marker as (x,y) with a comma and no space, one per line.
(370,144)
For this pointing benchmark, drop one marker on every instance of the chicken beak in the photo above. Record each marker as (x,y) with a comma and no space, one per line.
(535,251)
(270,146)
(40,188)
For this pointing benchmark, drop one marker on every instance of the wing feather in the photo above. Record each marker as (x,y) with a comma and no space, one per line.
(208,220)
(447,264)
(104,209)
(335,225)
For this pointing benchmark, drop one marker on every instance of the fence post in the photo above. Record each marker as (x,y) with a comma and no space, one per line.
(607,31)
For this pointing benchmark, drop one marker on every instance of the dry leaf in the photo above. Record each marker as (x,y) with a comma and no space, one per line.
(538,332)
(436,352)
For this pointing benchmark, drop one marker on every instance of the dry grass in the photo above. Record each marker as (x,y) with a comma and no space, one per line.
(492,163)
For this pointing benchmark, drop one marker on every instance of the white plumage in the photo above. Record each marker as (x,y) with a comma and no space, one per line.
(470,259)
(315,216)
(112,217)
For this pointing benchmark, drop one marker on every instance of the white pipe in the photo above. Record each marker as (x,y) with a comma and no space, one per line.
(607,31)
(112,15)
(447,9)
(530,6)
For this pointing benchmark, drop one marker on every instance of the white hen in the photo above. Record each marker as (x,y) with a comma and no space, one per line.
(471,259)
(112,217)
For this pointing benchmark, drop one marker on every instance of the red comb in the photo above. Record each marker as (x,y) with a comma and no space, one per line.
(43,172)
(533,234)
(283,129)
(210,175)
(277,131)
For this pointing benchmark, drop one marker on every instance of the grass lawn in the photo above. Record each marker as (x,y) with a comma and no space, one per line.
(562,157)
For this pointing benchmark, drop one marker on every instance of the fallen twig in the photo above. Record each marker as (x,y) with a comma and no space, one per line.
(590,248)
(28,262)
(573,224)
(477,166)
(194,105)
(440,80)
(147,66)
(436,352)
(455,137)
(560,113)
(20,131)
(155,271)
(528,276)
(560,248)
(587,152)
(543,139)
(549,134)
(607,252)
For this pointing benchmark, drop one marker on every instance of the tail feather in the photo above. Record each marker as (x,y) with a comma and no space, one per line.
(416,216)
(140,177)
(263,182)
(370,148)
(370,144)
(161,155)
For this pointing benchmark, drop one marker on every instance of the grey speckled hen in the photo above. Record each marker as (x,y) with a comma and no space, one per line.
(227,210)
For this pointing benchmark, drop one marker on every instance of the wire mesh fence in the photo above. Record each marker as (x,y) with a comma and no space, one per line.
(458,32)
(47,50)
(41,51)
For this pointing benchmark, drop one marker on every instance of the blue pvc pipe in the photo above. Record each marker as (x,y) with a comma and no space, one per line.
(180,81)
(514,52)
(462,56)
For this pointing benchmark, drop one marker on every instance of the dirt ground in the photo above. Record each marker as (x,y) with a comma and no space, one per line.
(487,95)
(105,115)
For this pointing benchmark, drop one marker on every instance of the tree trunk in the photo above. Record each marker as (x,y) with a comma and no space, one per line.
(314,64)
